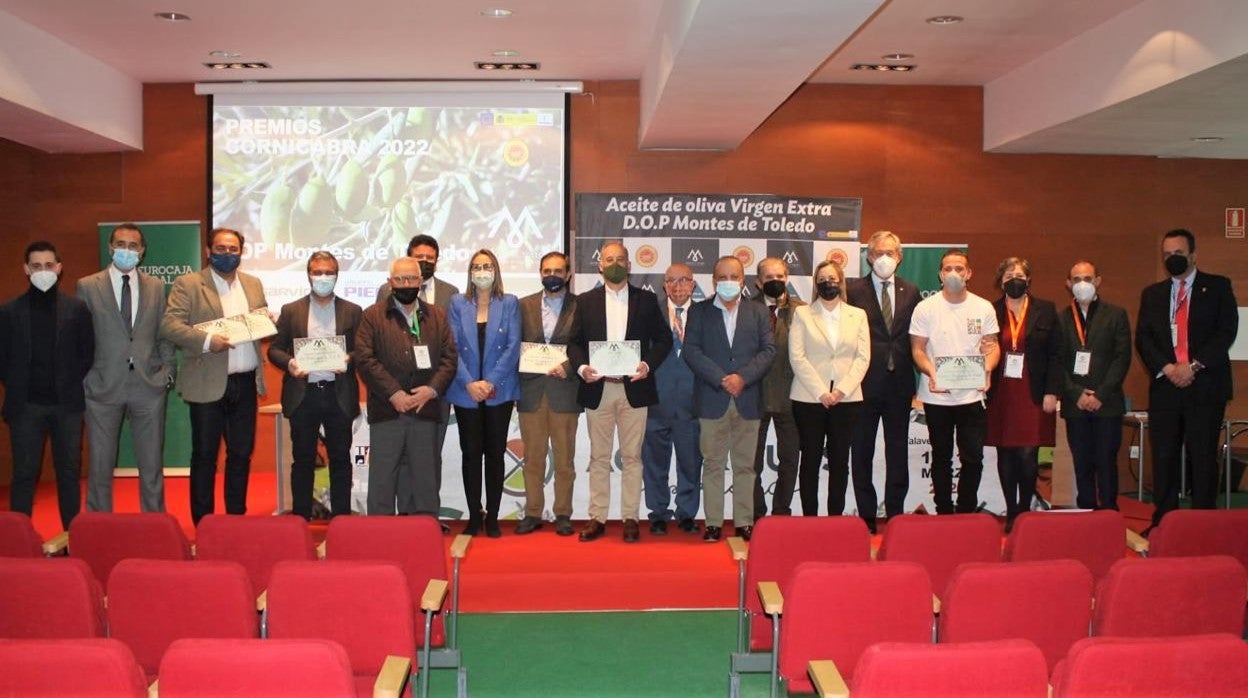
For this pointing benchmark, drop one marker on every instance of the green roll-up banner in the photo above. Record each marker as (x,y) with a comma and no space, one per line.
(173,248)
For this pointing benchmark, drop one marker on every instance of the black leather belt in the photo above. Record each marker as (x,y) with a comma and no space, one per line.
(321,384)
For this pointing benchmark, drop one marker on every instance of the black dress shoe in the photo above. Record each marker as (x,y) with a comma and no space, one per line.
(528,524)
(712,534)
(593,531)
(445,528)
(563,525)
(492,530)
(688,525)
(744,532)
(473,528)
(871,526)
(632,531)
(658,528)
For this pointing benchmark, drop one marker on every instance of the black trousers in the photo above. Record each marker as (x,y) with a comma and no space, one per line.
(823,428)
(320,410)
(234,418)
(967,424)
(483,442)
(1193,427)
(1094,443)
(788,449)
(1017,467)
(895,413)
(27,433)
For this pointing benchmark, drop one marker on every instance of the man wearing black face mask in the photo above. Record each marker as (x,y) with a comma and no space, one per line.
(219,380)
(1185,328)
(548,408)
(773,280)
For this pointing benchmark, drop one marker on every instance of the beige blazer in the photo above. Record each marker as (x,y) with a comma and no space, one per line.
(817,364)
(192,300)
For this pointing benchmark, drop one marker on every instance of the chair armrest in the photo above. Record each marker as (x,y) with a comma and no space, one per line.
(262,601)
(435,594)
(1137,542)
(935,605)
(392,677)
(827,678)
(740,549)
(153,691)
(459,546)
(56,544)
(320,550)
(772,599)
(875,550)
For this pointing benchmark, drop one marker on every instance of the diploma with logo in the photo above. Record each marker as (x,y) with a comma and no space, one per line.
(961,372)
(615,359)
(536,357)
(237,329)
(260,323)
(321,353)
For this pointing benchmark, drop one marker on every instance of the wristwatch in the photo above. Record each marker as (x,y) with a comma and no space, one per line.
(1197,367)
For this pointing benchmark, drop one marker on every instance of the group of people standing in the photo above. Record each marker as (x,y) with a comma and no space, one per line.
(713,378)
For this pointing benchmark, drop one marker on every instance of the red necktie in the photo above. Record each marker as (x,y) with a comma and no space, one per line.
(1180,323)
(773,309)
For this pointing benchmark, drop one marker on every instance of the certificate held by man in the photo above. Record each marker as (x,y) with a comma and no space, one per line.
(321,353)
(961,372)
(615,359)
(234,329)
(536,357)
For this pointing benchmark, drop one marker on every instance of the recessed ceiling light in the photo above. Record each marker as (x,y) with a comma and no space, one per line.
(897,56)
(172,16)
(883,67)
(225,54)
(505,53)
(249,65)
(944,19)
(1207,139)
(496,13)
(526,65)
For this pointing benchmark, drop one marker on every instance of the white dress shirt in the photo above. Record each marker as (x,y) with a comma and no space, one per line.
(617,313)
(114,275)
(234,302)
(730,316)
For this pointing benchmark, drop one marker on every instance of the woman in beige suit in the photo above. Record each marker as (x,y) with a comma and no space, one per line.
(830,349)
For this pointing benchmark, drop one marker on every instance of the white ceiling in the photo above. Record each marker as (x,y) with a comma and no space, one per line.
(695,58)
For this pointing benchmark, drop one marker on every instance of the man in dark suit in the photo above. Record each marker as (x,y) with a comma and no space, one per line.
(548,409)
(1095,346)
(670,423)
(132,372)
(615,312)
(773,280)
(316,400)
(888,389)
(1184,332)
(47,345)
(729,347)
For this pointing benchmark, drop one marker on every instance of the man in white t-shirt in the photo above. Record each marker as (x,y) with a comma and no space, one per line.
(946,328)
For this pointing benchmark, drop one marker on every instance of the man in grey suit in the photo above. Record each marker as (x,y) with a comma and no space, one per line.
(548,408)
(220,381)
(132,371)
(729,347)
(319,401)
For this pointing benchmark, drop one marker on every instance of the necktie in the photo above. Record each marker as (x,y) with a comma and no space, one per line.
(678,330)
(773,309)
(886,307)
(1180,323)
(126,320)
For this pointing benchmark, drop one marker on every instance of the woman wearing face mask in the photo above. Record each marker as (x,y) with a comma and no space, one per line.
(1022,400)
(830,349)
(486,324)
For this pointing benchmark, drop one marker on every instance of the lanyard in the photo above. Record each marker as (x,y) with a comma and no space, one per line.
(1016,324)
(414,330)
(1079,329)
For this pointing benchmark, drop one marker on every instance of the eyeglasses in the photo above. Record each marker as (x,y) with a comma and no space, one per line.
(481,267)
(682,281)
(405,281)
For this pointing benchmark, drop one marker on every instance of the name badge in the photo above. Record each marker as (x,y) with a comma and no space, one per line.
(421,352)
(1083,362)
(1013,365)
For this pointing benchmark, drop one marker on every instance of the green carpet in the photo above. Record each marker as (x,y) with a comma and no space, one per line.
(633,654)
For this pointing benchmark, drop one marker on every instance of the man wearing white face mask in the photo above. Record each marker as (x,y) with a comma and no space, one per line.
(729,346)
(47,345)
(1095,356)
(132,372)
(949,325)
(321,397)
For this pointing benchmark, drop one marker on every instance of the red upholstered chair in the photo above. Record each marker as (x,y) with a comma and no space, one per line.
(255,542)
(18,537)
(1095,538)
(1048,603)
(834,611)
(1003,669)
(1195,532)
(415,543)
(1165,597)
(103,539)
(96,667)
(42,598)
(364,606)
(194,668)
(151,603)
(941,543)
(1209,666)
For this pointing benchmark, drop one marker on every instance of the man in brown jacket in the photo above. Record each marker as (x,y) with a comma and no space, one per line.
(773,283)
(406,356)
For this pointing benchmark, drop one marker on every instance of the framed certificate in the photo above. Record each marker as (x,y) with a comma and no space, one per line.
(321,353)
(615,359)
(961,372)
(260,323)
(536,357)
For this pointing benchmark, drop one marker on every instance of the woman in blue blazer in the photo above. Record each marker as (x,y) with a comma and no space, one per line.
(486,323)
